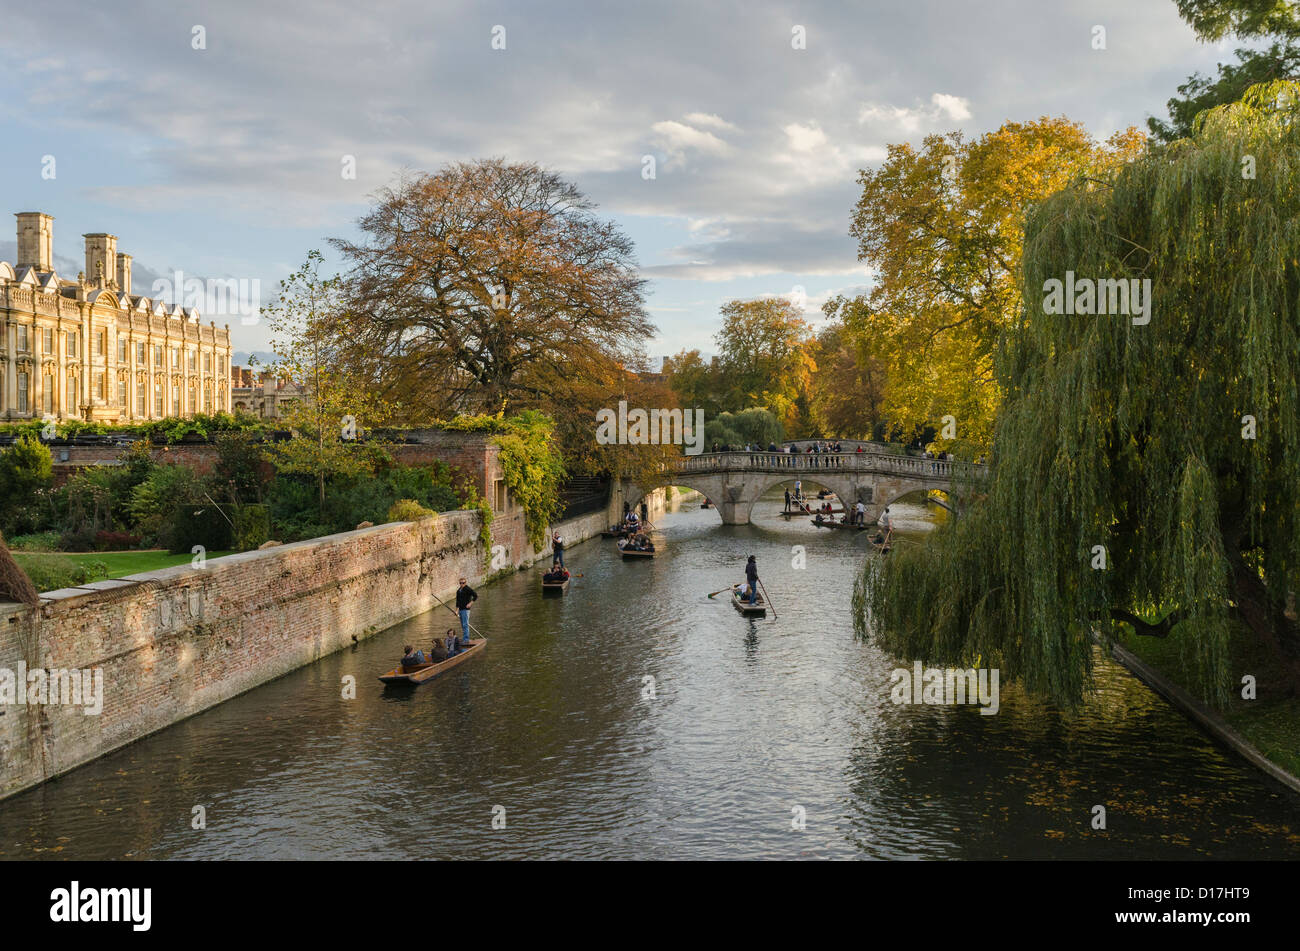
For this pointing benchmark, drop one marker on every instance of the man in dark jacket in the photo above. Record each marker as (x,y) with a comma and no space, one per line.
(465,596)
(751,575)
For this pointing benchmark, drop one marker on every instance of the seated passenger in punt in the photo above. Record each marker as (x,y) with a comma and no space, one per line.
(444,647)
(413,657)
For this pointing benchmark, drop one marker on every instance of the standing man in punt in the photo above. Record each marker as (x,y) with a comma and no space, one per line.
(465,597)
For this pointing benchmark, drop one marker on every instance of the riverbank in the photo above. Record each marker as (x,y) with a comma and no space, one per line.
(174,642)
(636,719)
(1264,726)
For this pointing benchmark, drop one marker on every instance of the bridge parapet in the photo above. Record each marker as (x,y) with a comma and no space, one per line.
(826,462)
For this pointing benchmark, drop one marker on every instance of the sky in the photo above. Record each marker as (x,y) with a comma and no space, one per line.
(228,160)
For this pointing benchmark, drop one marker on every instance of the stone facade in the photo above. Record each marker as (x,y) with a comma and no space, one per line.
(89,349)
(261,395)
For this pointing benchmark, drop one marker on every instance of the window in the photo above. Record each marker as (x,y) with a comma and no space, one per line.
(47,341)
(207,397)
(121,350)
(158,399)
(158,355)
(22,388)
(101,343)
(121,395)
(139,354)
(47,394)
(139,400)
(194,398)
(191,359)
(500,495)
(176,358)
(22,338)
(72,395)
(72,343)
(100,385)
(207,363)
(176,400)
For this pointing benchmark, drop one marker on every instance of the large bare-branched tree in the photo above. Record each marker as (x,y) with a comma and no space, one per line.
(477,288)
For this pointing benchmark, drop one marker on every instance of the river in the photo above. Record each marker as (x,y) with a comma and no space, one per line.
(552,744)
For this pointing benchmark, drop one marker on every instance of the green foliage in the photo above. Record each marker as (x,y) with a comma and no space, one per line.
(530,461)
(39,541)
(1131,436)
(26,473)
(1245,19)
(1200,93)
(486,516)
(407,510)
(154,501)
(755,426)
(193,524)
(252,527)
(159,431)
(295,513)
(25,466)
(238,473)
(51,572)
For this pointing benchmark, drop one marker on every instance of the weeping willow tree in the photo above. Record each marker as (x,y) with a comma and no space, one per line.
(1144,474)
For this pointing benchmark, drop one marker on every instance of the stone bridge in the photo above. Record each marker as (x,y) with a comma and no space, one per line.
(734,481)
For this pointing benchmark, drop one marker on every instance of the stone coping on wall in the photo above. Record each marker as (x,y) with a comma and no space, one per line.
(1209,721)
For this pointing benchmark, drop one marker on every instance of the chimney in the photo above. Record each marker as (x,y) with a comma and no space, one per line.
(124,273)
(35,240)
(101,254)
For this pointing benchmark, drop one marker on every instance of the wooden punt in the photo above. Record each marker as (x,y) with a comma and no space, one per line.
(414,676)
(633,553)
(829,523)
(747,609)
(554,587)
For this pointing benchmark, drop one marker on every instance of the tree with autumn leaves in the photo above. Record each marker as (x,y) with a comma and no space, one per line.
(942,228)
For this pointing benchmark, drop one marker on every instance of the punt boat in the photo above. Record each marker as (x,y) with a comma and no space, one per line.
(413,676)
(758,609)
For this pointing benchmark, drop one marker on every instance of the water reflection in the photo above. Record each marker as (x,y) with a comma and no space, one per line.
(749,723)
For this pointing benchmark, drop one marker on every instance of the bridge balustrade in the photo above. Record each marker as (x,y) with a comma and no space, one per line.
(823,462)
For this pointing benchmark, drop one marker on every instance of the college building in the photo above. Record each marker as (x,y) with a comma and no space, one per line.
(260,394)
(89,349)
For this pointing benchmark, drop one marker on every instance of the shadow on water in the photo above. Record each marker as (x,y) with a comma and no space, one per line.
(635,718)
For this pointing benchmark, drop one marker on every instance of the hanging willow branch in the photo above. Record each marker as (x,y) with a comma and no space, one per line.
(1131,437)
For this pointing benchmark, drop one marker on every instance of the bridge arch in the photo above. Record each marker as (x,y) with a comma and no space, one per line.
(734,481)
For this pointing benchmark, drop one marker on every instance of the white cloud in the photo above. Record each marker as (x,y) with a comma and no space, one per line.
(677,137)
(943,107)
(954,107)
(710,120)
(805,138)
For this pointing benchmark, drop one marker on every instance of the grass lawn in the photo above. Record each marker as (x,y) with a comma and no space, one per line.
(119,562)
(1271,723)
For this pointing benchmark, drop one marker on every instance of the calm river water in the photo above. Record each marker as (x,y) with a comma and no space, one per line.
(752,724)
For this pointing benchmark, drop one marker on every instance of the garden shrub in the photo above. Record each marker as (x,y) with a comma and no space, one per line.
(408,510)
(252,527)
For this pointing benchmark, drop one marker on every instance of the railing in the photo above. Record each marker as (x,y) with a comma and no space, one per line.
(825,462)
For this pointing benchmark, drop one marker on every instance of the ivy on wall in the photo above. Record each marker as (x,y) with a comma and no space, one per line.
(530,461)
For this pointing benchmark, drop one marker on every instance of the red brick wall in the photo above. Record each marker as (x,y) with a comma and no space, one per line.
(174,642)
